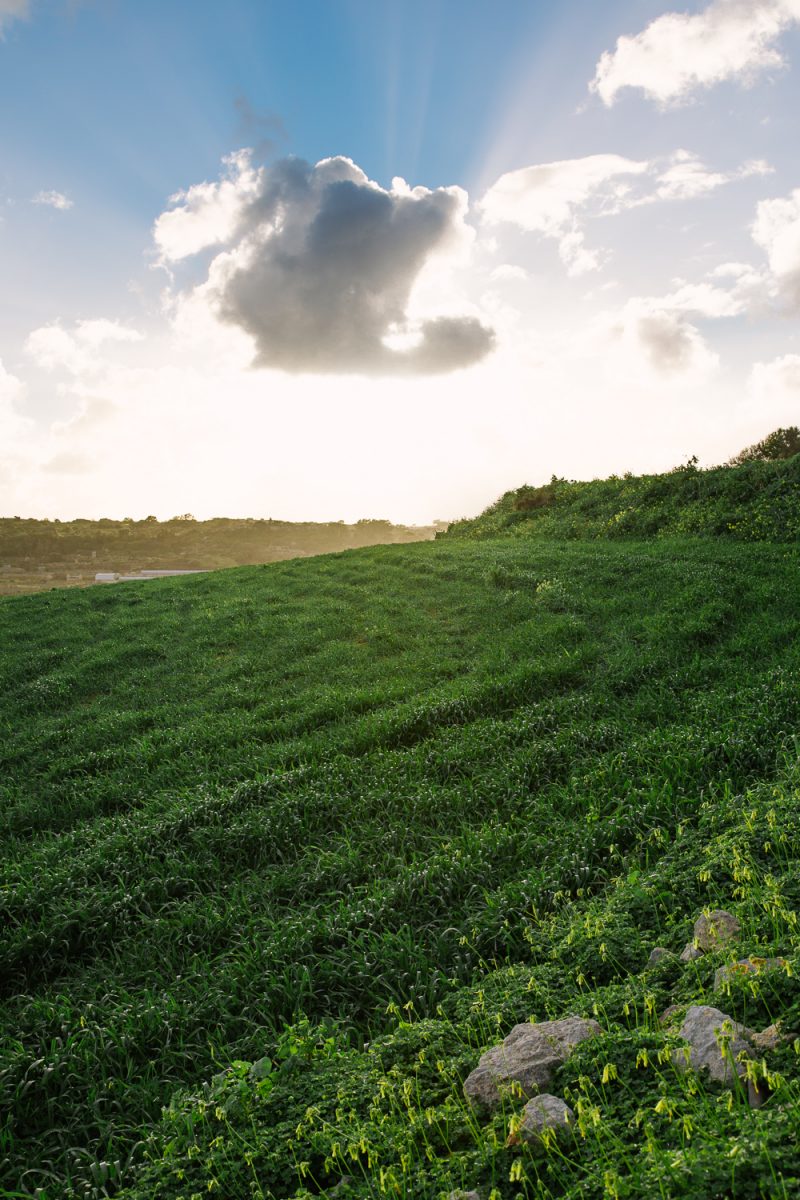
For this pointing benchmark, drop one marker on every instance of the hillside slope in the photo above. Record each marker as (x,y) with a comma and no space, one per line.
(756,501)
(351,818)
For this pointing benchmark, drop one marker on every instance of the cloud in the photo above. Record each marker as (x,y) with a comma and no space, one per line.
(703,299)
(68,463)
(52,347)
(12,10)
(780,375)
(207,214)
(11,392)
(687,177)
(657,330)
(680,53)
(773,396)
(548,198)
(776,230)
(508,271)
(92,413)
(320,266)
(556,199)
(53,200)
(671,343)
(16,431)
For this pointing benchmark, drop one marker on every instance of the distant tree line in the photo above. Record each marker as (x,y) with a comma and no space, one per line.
(183,542)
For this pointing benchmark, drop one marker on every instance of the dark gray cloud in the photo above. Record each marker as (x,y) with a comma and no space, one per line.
(324,267)
(670,343)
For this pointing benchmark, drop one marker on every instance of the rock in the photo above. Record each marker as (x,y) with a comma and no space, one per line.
(746,966)
(657,955)
(527,1057)
(690,952)
(716,929)
(707,1030)
(770,1038)
(541,1113)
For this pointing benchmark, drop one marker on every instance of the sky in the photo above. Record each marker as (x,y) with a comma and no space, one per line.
(388,258)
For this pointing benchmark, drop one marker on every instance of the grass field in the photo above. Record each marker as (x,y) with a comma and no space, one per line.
(350,818)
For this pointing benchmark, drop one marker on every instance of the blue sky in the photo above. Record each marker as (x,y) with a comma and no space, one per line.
(578,278)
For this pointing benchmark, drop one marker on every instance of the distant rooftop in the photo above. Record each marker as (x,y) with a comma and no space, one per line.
(115,577)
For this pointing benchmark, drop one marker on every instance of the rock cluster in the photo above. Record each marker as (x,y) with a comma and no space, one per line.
(717,1044)
(524,1062)
(522,1065)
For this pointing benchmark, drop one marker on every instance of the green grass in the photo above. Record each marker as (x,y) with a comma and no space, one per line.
(754,502)
(353,816)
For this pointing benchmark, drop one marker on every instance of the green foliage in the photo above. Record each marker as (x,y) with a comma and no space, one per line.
(391,1119)
(285,848)
(758,500)
(778,445)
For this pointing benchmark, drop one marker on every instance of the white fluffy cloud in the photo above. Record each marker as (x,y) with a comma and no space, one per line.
(320,263)
(780,375)
(680,53)
(556,199)
(54,348)
(776,230)
(508,271)
(53,200)
(11,392)
(207,214)
(704,300)
(551,198)
(773,397)
(687,177)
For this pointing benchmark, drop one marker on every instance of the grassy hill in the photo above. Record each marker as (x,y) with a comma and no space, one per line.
(349,819)
(755,501)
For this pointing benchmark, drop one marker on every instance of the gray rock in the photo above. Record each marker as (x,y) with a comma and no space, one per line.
(657,955)
(771,1037)
(715,930)
(527,1057)
(715,1042)
(690,952)
(545,1112)
(745,966)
